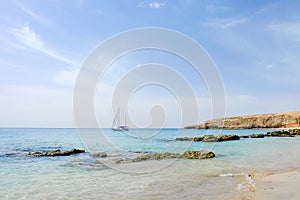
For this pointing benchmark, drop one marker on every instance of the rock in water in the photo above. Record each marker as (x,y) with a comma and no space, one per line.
(244,136)
(257,135)
(210,138)
(100,155)
(222,138)
(156,156)
(57,152)
(198,154)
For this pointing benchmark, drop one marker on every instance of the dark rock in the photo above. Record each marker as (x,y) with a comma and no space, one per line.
(185,139)
(35,153)
(257,135)
(244,136)
(57,152)
(211,138)
(198,139)
(222,138)
(197,154)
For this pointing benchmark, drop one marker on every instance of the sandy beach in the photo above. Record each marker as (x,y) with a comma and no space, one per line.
(277,186)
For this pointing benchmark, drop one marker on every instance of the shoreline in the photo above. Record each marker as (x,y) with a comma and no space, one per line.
(277,185)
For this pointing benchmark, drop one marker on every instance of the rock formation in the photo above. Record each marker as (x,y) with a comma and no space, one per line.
(211,138)
(189,154)
(200,154)
(222,138)
(57,152)
(276,120)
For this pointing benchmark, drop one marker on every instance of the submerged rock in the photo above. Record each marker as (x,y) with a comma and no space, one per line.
(198,154)
(156,156)
(100,155)
(198,139)
(189,154)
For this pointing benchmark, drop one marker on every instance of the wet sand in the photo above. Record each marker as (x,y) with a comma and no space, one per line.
(284,185)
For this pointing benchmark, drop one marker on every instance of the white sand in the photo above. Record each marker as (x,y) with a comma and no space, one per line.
(279,186)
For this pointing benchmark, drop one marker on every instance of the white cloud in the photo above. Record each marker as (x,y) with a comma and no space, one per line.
(29,38)
(156,5)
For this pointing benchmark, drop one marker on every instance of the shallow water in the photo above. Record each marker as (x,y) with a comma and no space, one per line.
(82,177)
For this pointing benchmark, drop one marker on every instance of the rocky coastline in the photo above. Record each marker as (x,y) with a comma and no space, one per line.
(188,154)
(222,138)
(274,120)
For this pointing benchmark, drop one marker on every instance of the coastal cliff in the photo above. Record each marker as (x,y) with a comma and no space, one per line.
(274,120)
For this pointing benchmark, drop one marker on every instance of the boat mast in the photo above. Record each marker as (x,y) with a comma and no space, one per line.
(116,121)
(125,118)
(118,118)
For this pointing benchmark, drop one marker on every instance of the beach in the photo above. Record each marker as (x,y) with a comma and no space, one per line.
(277,186)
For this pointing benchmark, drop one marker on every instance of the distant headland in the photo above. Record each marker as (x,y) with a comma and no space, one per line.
(273,120)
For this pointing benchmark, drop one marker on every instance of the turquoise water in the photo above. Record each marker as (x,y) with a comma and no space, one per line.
(82,177)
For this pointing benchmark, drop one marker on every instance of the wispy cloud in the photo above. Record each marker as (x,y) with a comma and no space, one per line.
(226,22)
(28,12)
(229,22)
(290,30)
(156,5)
(29,38)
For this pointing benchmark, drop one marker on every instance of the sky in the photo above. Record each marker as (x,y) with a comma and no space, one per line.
(43,44)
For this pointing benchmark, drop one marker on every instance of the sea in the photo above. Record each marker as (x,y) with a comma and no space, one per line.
(82,176)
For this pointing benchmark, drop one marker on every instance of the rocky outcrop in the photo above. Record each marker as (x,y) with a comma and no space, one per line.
(57,152)
(281,133)
(198,139)
(156,156)
(222,138)
(276,120)
(211,138)
(198,154)
(189,154)
(257,135)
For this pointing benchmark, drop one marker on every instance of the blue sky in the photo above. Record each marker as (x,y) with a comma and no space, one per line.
(255,45)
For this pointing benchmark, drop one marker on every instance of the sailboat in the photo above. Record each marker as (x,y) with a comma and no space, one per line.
(116,123)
